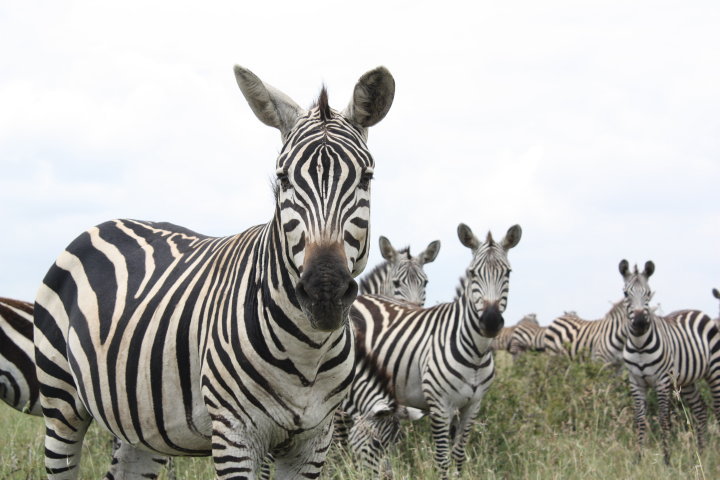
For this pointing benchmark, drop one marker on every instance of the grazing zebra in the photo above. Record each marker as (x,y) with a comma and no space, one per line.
(670,353)
(602,339)
(528,335)
(502,341)
(18,381)
(237,347)
(438,359)
(400,276)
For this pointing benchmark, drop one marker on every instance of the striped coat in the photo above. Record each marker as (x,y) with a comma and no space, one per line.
(19,386)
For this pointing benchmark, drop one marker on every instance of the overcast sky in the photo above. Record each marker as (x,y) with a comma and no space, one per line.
(594,125)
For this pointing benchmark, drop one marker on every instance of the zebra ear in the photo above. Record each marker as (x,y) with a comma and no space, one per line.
(649,268)
(269,104)
(372,98)
(624,267)
(467,237)
(512,237)
(387,251)
(430,253)
(716,293)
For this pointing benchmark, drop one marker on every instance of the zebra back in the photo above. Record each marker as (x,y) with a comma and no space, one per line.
(503,339)
(527,336)
(19,386)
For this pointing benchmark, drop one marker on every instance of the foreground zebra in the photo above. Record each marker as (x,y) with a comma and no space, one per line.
(438,359)
(670,353)
(18,381)
(602,339)
(239,347)
(528,335)
(401,276)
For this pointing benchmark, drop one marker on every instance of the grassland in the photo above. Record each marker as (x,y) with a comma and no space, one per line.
(544,418)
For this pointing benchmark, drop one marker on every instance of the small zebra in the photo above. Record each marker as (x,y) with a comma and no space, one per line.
(439,359)
(401,276)
(502,341)
(528,335)
(602,339)
(671,354)
(237,347)
(19,386)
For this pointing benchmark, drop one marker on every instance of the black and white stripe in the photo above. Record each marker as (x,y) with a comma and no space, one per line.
(602,340)
(401,276)
(503,339)
(671,354)
(439,359)
(236,347)
(18,381)
(528,336)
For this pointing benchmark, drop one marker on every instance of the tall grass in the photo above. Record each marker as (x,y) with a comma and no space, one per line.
(544,418)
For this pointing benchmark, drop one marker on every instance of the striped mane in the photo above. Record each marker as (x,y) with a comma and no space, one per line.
(379,271)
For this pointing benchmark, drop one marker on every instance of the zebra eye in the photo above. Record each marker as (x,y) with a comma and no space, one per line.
(626,294)
(396,283)
(284,181)
(365,180)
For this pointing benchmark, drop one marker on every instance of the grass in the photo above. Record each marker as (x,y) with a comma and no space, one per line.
(544,418)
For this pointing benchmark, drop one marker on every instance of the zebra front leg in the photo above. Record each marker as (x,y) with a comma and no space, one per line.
(440,425)
(305,459)
(640,406)
(664,388)
(691,395)
(131,463)
(236,454)
(465,424)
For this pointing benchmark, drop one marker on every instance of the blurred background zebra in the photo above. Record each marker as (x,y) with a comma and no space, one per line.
(502,340)
(184,344)
(401,276)
(528,336)
(670,354)
(439,359)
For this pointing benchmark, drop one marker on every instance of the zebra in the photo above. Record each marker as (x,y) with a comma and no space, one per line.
(502,340)
(602,339)
(237,347)
(439,359)
(671,354)
(19,386)
(400,276)
(528,335)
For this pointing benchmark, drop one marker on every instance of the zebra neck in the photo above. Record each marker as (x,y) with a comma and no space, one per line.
(464,335)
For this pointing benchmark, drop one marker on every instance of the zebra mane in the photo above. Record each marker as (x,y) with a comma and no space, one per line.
(379,270)
(460,288)
(323,106)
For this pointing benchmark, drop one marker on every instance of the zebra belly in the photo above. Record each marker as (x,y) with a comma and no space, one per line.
(139,397)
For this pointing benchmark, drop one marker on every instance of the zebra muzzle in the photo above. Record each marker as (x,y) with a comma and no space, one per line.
(491,321)
(326,289)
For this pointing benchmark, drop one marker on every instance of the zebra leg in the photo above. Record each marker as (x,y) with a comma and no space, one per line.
(235,455)
(306,458)
(131,463)
(640,405)
(462,433)
(691,395)
(664,388)
(440,427)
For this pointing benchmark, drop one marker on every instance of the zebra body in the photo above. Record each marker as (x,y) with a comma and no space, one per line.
(401,276)
(19,386)
(503,339)
(237,347)
(670,353)
(602,339)
(527,336)
(439,359)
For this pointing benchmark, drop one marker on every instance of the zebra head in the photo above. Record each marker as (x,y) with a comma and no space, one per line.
(637,295)
(323,189)
(406,279)
(487,278)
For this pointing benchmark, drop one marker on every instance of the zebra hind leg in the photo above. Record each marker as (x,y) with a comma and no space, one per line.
(131,463)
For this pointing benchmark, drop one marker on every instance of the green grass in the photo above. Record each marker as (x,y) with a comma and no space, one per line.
(544,418)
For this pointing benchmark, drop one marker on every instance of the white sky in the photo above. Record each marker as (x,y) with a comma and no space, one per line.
(594,125)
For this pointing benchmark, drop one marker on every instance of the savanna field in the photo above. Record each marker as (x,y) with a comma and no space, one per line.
(544,418)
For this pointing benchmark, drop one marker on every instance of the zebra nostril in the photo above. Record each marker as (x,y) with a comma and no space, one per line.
(350,293)
(301,292)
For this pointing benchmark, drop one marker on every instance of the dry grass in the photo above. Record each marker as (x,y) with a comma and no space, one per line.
(544,418)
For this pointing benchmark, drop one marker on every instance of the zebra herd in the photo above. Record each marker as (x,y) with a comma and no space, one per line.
(256,349)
